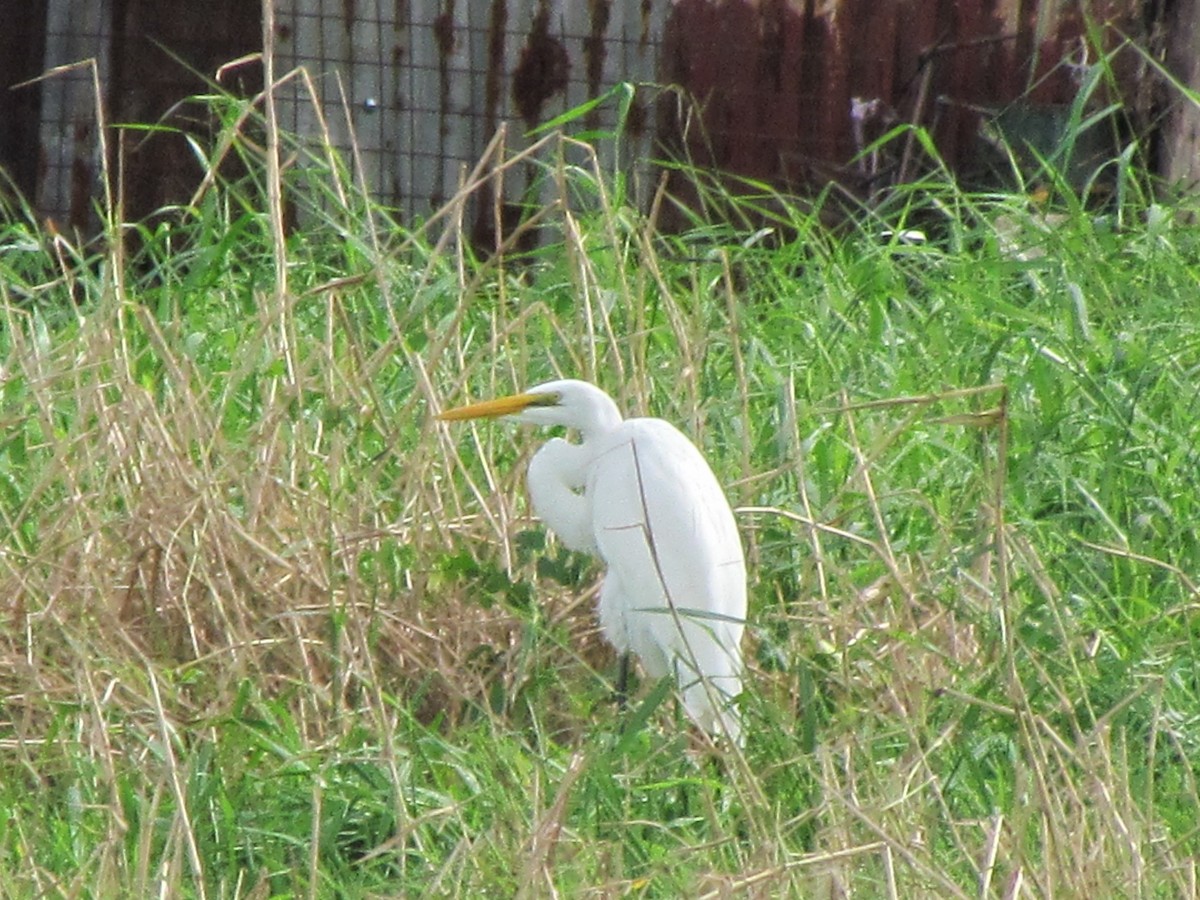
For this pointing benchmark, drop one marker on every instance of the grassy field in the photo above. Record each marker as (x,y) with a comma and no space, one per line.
(270,631)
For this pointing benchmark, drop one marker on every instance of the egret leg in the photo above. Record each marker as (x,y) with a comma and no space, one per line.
(622,692)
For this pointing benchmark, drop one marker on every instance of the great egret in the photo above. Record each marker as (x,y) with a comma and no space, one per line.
(638,494)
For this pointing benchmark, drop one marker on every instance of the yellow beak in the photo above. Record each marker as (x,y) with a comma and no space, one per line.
(501,406)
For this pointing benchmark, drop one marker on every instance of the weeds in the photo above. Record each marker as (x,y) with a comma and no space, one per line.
(270,631)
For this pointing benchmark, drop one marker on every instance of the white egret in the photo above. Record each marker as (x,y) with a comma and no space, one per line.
(637,493)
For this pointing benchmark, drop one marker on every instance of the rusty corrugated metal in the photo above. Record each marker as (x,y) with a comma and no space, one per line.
(790,92)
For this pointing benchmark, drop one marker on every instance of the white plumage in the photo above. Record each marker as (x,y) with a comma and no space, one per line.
(637,493)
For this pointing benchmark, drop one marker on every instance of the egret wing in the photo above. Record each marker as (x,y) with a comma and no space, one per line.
(675,590)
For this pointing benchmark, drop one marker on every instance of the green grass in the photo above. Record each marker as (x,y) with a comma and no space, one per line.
(270,631)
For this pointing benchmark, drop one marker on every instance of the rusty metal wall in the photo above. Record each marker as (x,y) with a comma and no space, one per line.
(786,90)
(424,85)
(791,92)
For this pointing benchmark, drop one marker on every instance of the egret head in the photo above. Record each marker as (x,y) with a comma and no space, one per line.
(571,403)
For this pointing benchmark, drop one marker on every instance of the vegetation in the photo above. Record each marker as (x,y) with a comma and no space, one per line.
(272,632)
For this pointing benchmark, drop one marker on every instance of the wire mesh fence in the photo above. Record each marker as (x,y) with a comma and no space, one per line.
(409,92)
(412,93)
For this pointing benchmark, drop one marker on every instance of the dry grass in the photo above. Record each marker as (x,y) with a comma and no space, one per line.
(248,583)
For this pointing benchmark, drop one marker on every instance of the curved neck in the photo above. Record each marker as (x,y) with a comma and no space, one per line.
(556,480)
(604,416)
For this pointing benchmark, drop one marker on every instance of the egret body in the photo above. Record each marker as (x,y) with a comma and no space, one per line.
(638,494)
